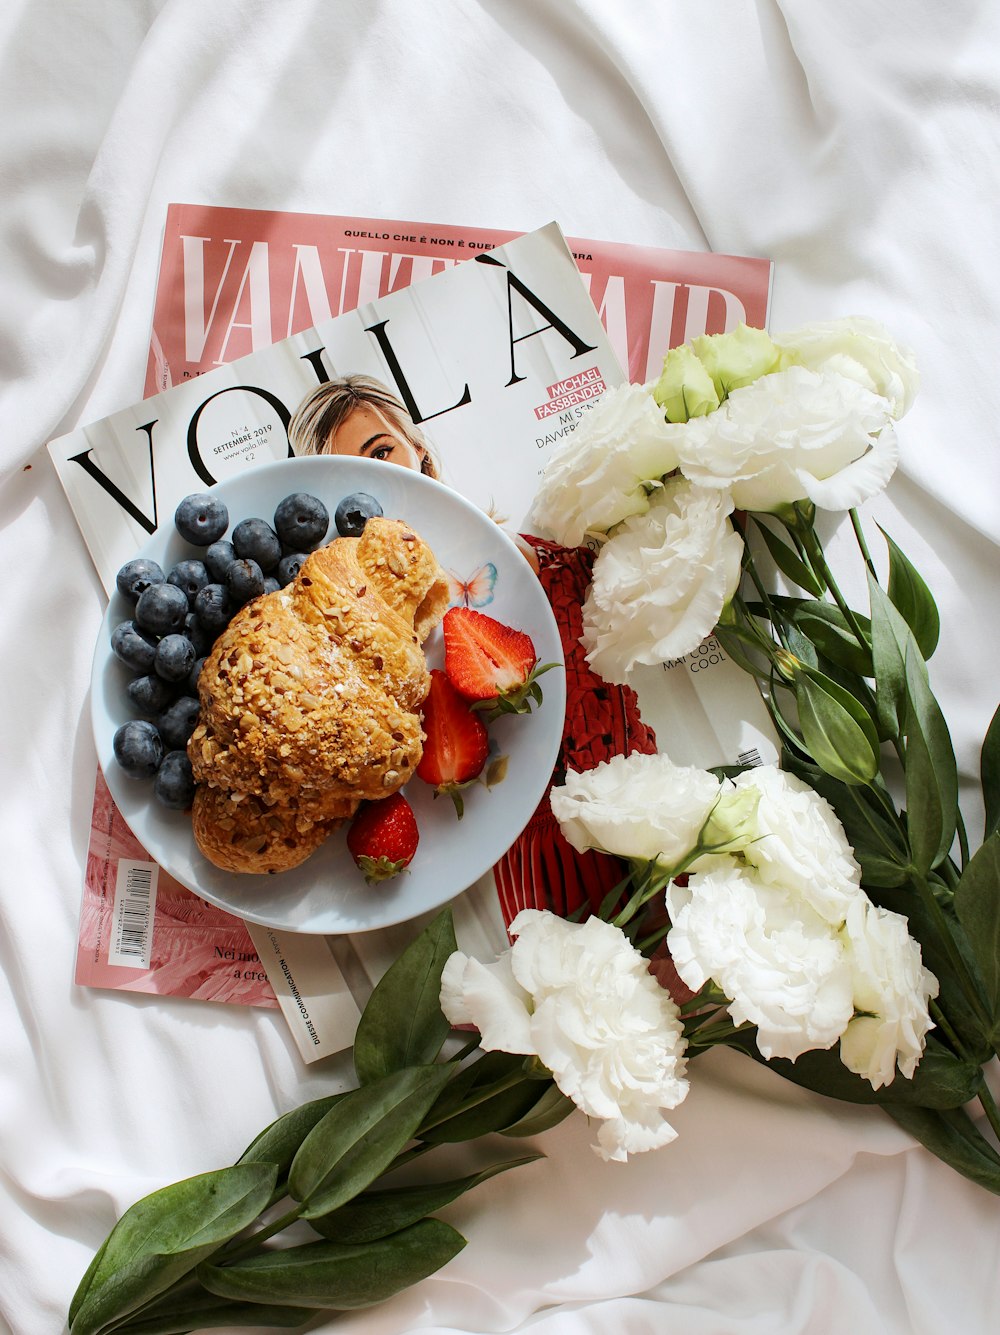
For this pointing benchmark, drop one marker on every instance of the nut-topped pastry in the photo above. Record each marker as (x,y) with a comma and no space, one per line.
(310,699)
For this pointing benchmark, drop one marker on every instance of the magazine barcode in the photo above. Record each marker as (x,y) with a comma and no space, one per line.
(751,757)
(132,919)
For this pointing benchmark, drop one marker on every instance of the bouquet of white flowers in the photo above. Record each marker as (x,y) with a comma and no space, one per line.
(826,917)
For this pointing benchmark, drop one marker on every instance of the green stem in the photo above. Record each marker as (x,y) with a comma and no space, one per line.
(817,556)
(653,880)
(944,1024)
(862,543)
(749,565)
(251,1244)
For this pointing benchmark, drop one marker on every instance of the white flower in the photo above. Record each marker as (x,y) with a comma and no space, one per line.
(580,998)
(780,965)
(799,844)
(660,582)
(638,806)
(861,349)
(790,436)
(891,992)
(596,477)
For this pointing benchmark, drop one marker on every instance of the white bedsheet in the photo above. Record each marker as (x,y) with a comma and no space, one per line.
(858,146)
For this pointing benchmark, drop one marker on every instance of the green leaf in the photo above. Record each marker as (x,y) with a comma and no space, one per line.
(548,1112)
(908,592)
(836,729)
(743,648)
(951,1135)
(891,637)
(376,1214)
(789,562)
(402,1024)
(498,1089)
(828,629)
(360,1136)
(940,935)
(989,768)
(336,1275)
(941,1079)
(931,773)
(875,838)
(279,1142)
(977,904)
(164,1236)
(205,1311)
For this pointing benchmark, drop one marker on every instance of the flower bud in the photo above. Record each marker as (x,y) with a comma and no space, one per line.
(733,820)
(685,388)
(737,358)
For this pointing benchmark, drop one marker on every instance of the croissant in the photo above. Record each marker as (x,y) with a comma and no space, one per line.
(310,699)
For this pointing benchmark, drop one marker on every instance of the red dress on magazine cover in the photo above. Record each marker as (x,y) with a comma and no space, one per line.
(541,869)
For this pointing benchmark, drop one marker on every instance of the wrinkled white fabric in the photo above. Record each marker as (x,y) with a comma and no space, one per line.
(856,146)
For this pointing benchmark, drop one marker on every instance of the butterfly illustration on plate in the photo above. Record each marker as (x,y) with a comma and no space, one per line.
(477,590)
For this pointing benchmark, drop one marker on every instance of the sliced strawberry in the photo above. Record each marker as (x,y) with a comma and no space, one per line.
(383,837)
(491,663)
(457,742)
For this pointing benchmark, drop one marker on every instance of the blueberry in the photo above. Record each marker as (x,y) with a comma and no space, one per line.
(354,512)
(174,783)
(201,638)
(256,540)
(138,748)
(289,566)
(201,518)
(218,558)
(149,694)
(301,522)
(212,607)
(136,576)
(189,577)
(244,581)
(193,675)
(175,655)
(271,585)
(161,609)
(176,723)
(133,646)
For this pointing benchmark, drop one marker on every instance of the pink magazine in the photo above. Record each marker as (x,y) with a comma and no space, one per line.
(195,951)
(234,281)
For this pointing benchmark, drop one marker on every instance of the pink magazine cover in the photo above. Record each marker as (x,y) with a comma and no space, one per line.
(234,281)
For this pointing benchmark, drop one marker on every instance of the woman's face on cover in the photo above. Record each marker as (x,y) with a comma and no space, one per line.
(366,433)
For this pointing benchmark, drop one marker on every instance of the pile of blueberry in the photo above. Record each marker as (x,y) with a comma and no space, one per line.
(177,616)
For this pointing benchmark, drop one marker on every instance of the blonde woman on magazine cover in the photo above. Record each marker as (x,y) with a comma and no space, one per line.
(358,415)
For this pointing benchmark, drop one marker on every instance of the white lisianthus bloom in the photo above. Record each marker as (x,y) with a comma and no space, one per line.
(596,477)
(580,998)
(891,992)
(862,350)
(661,581)
(799,844)
(640,807)
(793,435)
(780,965)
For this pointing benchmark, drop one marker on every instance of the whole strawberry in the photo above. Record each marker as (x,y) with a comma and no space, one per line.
(457,743)
(383,837)
(490,663)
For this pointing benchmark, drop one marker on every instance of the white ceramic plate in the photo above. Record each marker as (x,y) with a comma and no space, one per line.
(327,894)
